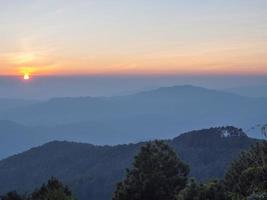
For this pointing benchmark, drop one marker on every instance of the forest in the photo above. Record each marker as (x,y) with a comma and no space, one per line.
(157,173)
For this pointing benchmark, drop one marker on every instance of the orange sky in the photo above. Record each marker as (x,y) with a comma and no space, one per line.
(46,38)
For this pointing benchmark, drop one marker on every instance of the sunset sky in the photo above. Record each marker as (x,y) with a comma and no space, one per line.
(67,37)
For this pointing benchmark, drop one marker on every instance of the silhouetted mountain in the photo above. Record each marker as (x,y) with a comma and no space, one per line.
(92,171)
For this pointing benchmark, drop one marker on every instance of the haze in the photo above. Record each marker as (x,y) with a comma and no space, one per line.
(45,87)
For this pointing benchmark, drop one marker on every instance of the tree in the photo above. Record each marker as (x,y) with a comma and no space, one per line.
(248,174)
(190,192)
(259,196)
(12,196)
(157,174)
(53,190)
(213,190)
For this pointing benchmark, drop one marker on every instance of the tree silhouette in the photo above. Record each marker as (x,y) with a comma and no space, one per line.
(213,190)
(53,190)
(12,196)
(248,174)
(157,174)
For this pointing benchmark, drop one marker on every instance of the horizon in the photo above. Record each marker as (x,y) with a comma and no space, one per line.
(46,87)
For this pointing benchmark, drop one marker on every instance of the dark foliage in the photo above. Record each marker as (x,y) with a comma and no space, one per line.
(157,174)
(258,196)
(53,190)
(213,190)
(13,196)
(248,174)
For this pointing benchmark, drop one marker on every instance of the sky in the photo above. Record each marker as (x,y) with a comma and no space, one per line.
(116,37)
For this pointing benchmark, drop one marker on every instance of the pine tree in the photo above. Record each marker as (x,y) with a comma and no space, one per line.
(248,174)
(53,190)
(157,174)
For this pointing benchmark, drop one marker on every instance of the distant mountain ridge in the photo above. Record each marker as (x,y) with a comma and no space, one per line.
(159,113)
(92,171)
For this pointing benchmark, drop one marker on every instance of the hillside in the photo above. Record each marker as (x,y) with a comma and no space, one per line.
(177,103)
(159,113)
(92,171)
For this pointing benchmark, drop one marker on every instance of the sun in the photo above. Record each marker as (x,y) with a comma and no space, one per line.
(26,77)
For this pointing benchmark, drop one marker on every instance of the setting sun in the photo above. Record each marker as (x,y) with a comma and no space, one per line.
(26,77)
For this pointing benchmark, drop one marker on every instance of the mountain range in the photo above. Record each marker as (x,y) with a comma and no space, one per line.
(93,171)
(161,113)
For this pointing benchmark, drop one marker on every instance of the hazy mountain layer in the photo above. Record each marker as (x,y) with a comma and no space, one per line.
(250,91)
(161,113)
